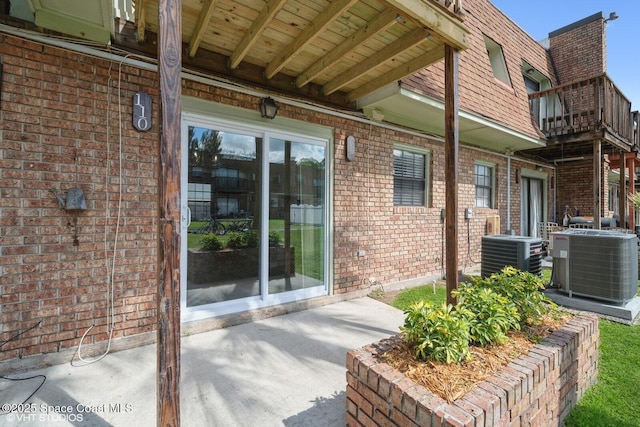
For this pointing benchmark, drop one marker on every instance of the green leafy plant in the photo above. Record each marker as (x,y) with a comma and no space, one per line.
(488,309)
(489,315)
(274,239)
(251,238)
(635,199)
(437,333)
(211,242)
(236,240)
(521,288)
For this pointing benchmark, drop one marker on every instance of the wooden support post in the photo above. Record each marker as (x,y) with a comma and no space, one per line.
(597,183)
(622,202)
(451,168)
(632,190)
(168,312)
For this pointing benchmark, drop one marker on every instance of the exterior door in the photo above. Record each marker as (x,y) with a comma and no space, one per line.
(256,208)
(532,206)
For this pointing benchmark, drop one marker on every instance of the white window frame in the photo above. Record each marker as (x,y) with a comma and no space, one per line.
(492,197)
(233,119)
(496,58)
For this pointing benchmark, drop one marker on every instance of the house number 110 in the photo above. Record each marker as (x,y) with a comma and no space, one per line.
(141,111)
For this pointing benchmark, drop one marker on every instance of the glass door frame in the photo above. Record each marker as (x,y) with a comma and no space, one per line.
(229,119)
(526,175)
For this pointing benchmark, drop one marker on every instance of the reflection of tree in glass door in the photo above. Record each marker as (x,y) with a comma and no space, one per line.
(228,163)
(296,177)
(244,266)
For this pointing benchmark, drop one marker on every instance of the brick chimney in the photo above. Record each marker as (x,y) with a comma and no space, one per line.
(579,50)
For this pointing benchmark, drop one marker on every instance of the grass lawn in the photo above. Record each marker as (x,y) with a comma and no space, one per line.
(613,401)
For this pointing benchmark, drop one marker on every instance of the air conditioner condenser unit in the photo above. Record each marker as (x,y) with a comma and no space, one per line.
(598,264)
(501,250)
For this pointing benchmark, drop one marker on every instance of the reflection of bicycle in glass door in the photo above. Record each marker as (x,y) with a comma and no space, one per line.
(240,225)
(212,226)
(220,227)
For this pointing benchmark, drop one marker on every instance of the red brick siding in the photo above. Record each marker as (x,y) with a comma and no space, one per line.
(575,187)
(535,389)
(55,134)
(569,51)
(480,92)
(59,129)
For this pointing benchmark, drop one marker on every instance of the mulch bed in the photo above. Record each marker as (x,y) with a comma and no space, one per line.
(452,381)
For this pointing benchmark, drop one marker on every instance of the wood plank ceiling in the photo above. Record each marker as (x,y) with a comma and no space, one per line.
(336,51)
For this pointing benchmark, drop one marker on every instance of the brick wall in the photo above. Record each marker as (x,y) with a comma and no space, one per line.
(480,92)
(539,388)
(59,126)
(575,187)
(59,129)
(569,44)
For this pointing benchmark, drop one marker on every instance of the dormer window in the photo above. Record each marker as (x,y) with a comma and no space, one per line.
(535,81)
(496,58)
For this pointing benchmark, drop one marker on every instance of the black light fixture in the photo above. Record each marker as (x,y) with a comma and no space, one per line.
(612,17)
(268,108)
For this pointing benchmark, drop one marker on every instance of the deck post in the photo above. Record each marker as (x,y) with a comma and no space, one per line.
(168,308)
(451,168)
(622,205)
(597,183)
(632,190)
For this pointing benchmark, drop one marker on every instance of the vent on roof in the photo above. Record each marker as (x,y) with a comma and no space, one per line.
(499,251)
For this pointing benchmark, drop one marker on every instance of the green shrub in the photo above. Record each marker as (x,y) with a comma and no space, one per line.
(521,288)
(489,315)
(488,309)
(251,238)
(274,239)
(437,333)
(236,240)
(211,242)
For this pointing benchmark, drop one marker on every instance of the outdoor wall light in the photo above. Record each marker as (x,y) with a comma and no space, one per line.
(268,108)
(612,17)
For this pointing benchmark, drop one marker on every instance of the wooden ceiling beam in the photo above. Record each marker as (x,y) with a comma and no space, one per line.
(201,26)
(444,24)
(266,16)
(380,23)
(411,67)
(414,38)
(614,159)
(311,31)
(215,65)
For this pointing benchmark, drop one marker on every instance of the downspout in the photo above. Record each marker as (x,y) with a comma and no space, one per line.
(555,194)
(508,225)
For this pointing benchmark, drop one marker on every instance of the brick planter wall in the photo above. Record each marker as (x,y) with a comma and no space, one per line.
(205,266)
(535,389)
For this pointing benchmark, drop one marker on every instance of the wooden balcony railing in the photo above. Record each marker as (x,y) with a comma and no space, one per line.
(457,5)
(585,106)
(635,129)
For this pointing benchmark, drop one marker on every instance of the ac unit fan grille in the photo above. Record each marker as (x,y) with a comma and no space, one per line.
(604,267)
(499,251)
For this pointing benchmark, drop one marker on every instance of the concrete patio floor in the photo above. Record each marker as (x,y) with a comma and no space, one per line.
(282,371)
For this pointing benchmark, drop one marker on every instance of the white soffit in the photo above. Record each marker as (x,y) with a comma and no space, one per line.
(403,107)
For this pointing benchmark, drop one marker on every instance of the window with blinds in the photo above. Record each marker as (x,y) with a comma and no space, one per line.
(409,178)
(484,186)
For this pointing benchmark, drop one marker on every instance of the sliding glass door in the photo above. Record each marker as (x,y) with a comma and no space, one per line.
(255,210)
